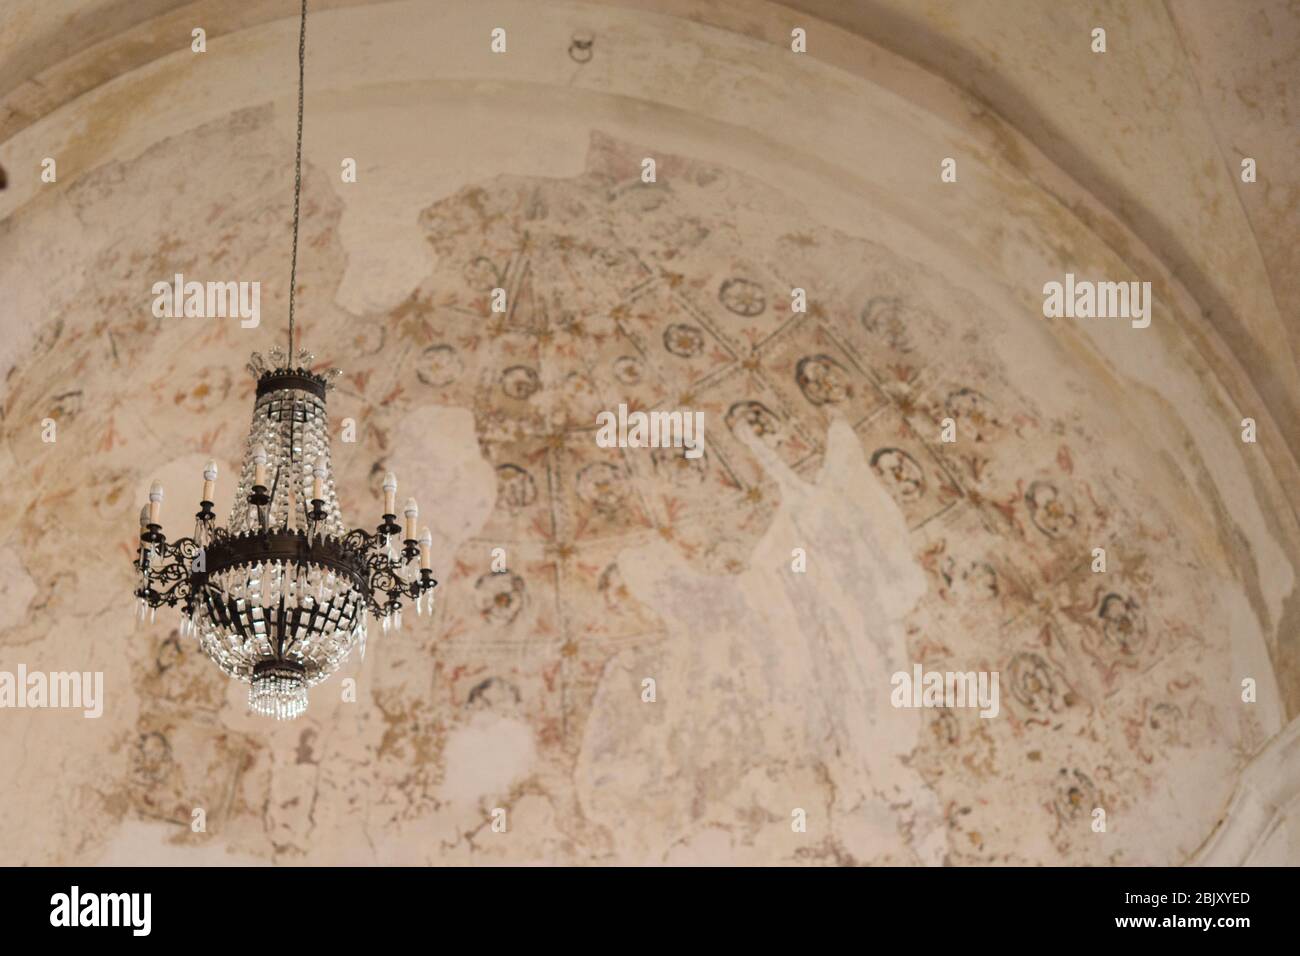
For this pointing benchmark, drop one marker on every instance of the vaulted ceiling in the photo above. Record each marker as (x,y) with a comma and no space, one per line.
(776,170)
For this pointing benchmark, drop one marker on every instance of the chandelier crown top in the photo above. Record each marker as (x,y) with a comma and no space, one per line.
(281,373)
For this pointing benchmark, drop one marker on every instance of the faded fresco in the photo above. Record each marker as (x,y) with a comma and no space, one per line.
(525,692)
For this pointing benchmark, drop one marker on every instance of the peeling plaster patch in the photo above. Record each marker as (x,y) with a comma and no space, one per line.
(817,648)
(146,843)
(388,254)
(1219,447)
(485,756)
(17,589)
(1257,825)
(455,470)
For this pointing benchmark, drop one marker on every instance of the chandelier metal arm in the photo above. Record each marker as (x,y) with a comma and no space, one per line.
(162,564)
(386,572)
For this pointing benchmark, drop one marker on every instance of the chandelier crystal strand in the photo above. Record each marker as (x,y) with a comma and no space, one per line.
(280,596)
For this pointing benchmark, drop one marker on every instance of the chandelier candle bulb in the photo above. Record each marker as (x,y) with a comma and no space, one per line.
(155,502)
(144,518)
(259,465)
(209,481)
(426,549)
(390,494)
(318,480)
(412,513)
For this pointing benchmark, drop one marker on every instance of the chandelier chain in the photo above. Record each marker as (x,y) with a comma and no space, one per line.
(297,170)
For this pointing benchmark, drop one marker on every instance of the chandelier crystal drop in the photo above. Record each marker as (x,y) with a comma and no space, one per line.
(279,596)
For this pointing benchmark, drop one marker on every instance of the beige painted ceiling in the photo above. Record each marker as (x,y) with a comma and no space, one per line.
(1215,87)
(778,171)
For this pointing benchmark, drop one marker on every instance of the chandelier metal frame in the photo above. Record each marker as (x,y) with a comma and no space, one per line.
(364,568)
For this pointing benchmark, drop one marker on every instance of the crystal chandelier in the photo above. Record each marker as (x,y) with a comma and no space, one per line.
(280,596)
